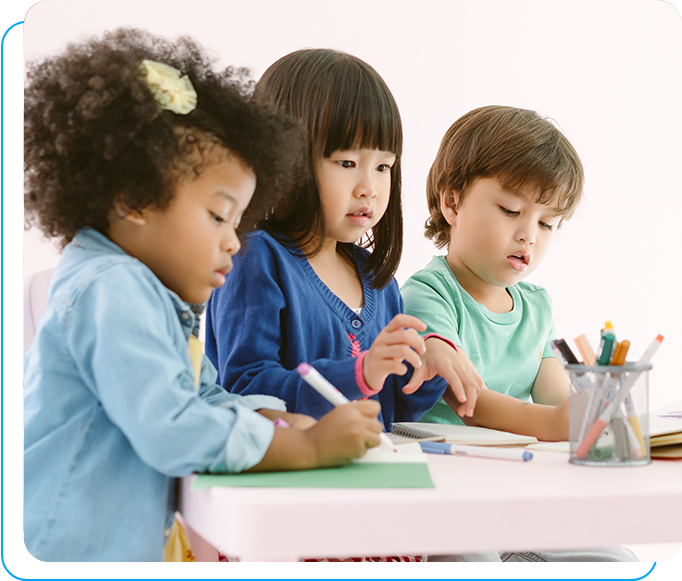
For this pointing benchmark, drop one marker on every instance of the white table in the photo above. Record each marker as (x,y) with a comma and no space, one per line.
(477,505)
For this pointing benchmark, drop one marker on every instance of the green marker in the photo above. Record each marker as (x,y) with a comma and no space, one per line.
(608,344)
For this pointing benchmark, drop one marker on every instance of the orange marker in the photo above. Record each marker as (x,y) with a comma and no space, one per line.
(620,353)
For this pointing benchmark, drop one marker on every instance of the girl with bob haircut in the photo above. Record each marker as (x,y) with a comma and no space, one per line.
(305,289)
(141,159)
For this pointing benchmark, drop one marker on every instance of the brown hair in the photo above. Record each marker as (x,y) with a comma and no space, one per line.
(341,103)
(518,147)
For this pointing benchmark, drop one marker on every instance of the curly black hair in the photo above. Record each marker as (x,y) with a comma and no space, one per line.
(93,132)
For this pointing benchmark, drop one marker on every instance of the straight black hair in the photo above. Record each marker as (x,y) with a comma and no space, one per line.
(341,103)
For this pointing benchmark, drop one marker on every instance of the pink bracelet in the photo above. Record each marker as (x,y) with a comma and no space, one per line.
(360,376)
(437,336)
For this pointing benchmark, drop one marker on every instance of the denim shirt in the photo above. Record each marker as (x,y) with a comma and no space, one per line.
(112,413)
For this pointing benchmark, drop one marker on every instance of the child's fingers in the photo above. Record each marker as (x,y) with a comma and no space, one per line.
(402,320)
(404,336)
(457,388)
(418,377)
(472,387)
(367,407)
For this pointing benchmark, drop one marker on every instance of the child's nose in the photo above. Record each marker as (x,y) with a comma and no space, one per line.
(231,243)
(366,188)
(526,233)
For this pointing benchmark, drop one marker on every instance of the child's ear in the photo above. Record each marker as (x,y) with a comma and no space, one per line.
(448,205)
(123,212)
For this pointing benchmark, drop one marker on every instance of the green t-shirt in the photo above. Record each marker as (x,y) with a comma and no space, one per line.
(506,348)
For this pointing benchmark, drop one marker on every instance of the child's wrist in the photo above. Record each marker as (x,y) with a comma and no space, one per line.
(444,339)
(364,387)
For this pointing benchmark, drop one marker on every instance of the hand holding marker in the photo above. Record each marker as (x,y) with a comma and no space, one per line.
(313,378)
(601,423)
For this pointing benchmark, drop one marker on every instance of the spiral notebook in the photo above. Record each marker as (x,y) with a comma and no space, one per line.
(474,436)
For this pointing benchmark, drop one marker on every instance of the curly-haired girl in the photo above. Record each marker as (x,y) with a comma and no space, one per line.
(142,160)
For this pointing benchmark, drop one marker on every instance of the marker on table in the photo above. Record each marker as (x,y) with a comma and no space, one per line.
(313,378)
(601,423)
(477,451)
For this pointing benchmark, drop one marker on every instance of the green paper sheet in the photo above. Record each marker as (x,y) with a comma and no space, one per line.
(357,475)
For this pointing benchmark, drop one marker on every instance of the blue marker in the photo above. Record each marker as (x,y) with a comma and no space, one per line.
(477,451)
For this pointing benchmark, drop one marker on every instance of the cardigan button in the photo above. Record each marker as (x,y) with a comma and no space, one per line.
(356,323)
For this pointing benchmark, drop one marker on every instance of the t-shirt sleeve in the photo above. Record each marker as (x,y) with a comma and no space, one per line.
(428,298)
(131,361)
(551,335)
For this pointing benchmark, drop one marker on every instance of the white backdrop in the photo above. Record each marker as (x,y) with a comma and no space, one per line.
(608,71)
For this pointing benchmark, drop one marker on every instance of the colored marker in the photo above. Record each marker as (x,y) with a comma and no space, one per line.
(603,420)
(477,451)
(608,342)
(313,378)
(619,359)
(585,349)
(565,351)
(620,353)
(558,354)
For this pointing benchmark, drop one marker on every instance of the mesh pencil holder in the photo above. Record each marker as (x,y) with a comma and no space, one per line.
(609,414)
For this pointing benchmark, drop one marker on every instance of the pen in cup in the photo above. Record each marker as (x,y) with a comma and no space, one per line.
(598,427)
(313,378)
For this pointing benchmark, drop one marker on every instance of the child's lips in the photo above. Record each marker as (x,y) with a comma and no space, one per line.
(519,262)
(221,274)
(362,216)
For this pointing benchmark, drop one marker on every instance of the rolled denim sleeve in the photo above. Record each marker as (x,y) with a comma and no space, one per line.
(216,395)
(135,361)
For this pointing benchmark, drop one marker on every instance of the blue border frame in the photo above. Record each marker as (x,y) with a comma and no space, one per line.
(11,302)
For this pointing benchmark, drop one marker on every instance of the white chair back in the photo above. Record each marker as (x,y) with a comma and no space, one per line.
(35,302)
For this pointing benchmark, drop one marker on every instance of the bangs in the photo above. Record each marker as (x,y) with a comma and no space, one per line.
(560,188)
(358,112)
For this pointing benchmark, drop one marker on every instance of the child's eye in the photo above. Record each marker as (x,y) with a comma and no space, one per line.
(216,218)
(546,226)
(508,212)
(383,168)
(345,163)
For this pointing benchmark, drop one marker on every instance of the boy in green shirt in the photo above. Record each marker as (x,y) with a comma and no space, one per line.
(503,181)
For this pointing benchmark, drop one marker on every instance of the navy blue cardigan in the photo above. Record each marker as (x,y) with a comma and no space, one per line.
(274,312)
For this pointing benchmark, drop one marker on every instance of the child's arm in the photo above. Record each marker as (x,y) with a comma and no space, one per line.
(342,435)
(464,381)
(503,412)
(551,385)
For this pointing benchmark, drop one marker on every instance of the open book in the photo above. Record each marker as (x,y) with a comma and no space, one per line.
(473,436)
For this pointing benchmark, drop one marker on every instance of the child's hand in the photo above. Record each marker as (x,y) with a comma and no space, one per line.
(346,433)
(397,342)
(299,421)
(465,383)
